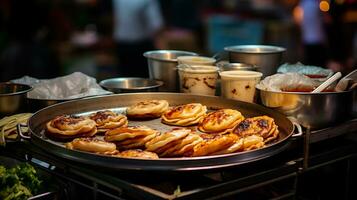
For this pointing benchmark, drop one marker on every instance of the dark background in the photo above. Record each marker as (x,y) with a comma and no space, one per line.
(46,39)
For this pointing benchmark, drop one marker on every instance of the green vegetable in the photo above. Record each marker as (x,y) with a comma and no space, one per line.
(19,182)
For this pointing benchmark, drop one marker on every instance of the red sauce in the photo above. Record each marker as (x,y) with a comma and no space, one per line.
(315,75)
(304,89)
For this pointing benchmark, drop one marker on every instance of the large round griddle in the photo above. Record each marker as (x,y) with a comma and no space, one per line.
(121,101)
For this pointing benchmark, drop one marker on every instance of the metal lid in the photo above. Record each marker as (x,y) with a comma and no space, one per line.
(258,49)
(167,55)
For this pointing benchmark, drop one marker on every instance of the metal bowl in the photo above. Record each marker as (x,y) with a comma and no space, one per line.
(311,110)
(13,98)
(162,66)
(131,84)
(267,58)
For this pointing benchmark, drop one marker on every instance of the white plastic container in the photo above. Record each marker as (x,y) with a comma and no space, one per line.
(198,79)
(239,85)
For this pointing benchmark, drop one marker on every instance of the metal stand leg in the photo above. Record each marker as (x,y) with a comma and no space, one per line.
(347,188)
(306,149)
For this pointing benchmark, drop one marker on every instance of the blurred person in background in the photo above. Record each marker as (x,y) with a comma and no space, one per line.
(313,34)
(136,26)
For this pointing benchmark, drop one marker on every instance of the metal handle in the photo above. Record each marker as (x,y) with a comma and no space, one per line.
(22,136)
(297,125)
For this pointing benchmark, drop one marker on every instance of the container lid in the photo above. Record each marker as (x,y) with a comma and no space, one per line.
(240,75)
(197,69)
(238,66)
(196,59)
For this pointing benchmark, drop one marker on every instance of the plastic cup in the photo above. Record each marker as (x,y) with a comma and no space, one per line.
(198,79)
(196,60)
(239,85)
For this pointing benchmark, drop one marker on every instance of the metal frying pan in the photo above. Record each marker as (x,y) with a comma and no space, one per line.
(119,102)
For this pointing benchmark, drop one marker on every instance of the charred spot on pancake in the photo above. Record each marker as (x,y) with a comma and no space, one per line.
(263,123)
(244,125)
(100,115)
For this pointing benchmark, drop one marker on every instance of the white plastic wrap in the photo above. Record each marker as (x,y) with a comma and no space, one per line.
(306,69)
(277,82)
(75,85)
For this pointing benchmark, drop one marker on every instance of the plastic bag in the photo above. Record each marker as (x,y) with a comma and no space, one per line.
(278,82)
(314,72)
(75,85)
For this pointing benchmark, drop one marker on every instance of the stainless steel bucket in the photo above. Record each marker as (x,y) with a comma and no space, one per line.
(266,58)
(162,66)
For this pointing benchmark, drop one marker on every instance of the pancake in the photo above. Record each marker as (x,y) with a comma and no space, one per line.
(147,109)
(244,144)
(107,119)
(253,142)
(135,143)
(213,144)
(263,126)
(184,115)
(184,147)
(130,137)
(235,147)
(220,121)
(91,145)
(138,154)
(166,140)
(69,127)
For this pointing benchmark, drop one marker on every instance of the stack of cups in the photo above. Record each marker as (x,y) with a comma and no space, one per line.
(198,75)
(239,85)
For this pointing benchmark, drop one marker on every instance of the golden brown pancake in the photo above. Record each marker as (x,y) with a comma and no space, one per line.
(91,145)
(130,137)
(147,109)
(253,142)
(263,126)
(183,147)
(138,154)
(213,144)
(107,119)
(164,141)
(69,127)
(184,115)
(220,121)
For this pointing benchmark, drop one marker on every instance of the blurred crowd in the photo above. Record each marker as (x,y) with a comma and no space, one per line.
(46,39)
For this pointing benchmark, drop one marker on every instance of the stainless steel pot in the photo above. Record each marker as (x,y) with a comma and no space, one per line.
(314,111)
(267,58)
(131,84)
(13,98)
(162,66)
